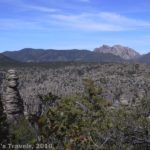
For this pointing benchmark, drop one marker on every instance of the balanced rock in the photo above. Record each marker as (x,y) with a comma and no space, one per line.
(12,99)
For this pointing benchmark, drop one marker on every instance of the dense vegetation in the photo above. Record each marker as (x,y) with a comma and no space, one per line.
(3,126)
(120,82)
(86,121)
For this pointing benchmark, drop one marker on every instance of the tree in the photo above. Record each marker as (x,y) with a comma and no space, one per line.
(74,121)
(3,126)
(88,121)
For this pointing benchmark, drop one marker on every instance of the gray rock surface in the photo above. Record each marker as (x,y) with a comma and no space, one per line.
(13,103)
(118,50)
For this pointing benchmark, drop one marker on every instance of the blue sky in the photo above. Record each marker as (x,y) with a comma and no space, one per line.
(67,24)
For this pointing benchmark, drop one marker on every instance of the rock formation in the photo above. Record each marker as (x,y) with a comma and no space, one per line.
(118,50)
(12,101)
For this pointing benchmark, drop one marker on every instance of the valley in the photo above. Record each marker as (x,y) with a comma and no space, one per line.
(53,102)
(120,82)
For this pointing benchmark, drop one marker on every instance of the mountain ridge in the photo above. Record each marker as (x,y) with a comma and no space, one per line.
(49,55)
(144,58)
(105,53)
(5,59)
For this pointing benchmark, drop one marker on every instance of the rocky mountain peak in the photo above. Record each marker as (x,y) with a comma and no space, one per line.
(118,50)
(105,46)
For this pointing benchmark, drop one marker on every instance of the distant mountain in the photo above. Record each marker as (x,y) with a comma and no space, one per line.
(118,50)
(40,55)
(144,58)
(5,59)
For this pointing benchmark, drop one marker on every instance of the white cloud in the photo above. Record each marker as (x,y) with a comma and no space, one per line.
(103,21)
(22,6)
(122,20)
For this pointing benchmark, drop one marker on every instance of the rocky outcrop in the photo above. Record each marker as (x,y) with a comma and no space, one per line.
(13,103)
(118,50)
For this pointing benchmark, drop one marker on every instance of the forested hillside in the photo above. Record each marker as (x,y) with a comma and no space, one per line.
(80,106)
(85,121)
(51,55)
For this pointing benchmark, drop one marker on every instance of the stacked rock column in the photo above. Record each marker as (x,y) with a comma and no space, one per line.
(13,102)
